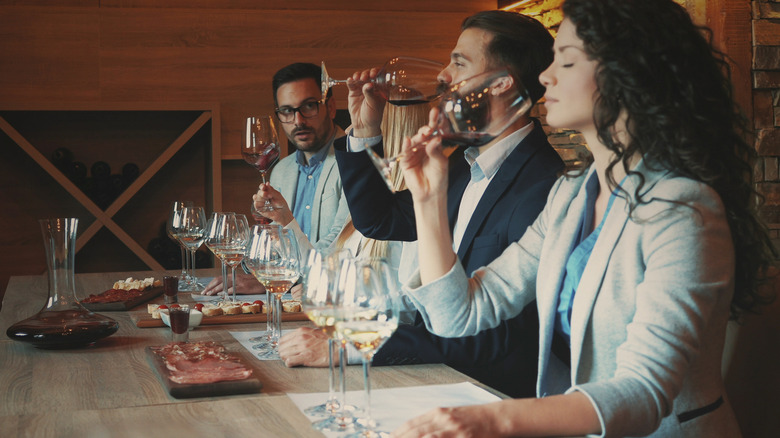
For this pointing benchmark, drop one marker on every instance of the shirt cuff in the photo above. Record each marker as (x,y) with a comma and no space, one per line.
(359,144)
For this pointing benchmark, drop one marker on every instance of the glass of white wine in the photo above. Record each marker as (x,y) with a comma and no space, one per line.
(273,258)
(370,307)
(319,303)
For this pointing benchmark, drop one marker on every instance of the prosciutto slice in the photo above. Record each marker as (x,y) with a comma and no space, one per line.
(201,362)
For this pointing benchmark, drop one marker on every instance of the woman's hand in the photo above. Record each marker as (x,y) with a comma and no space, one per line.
(424,165)
(281,213)
(464,421)
(365,105)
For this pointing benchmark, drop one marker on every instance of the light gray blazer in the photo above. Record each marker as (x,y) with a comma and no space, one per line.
(330,210)
(649,315)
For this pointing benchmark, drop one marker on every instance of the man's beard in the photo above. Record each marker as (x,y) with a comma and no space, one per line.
(318,142)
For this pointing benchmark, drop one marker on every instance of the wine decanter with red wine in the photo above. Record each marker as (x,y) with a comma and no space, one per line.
(63,322)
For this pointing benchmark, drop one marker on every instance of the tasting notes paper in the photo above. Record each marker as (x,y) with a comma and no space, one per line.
(392,407)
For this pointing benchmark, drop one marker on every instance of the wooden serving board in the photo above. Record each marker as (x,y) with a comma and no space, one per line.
(249,385)
(144,320)
(145,296)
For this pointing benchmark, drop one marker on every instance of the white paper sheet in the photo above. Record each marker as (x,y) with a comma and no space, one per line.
(393,406)
(244,339)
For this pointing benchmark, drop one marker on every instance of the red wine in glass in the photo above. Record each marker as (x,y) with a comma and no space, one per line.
(472,112)
(261,150)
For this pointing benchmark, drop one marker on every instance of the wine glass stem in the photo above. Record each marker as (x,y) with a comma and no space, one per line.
(342,379)
(367,386)
(277,319)
(331,374)
(269,324)
(225,281)
(233,269)
(192,268)
(183,277)
(267,204)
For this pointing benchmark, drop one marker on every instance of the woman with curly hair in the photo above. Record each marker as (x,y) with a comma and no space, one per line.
(636,263)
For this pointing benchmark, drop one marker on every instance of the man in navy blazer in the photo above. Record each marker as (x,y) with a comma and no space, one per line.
(487,211)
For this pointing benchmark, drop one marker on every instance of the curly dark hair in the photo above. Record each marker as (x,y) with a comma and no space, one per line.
(519,42)
(661,70)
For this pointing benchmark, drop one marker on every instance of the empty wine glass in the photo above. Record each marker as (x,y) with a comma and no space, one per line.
(261,150)
(401,81)
(191,230)
(472,112)
(212,240)
(172,228)
(272,257)
(370,307)
(319,303)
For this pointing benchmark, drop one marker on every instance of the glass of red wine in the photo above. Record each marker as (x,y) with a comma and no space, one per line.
(472,112)
(401,81)
(261,150)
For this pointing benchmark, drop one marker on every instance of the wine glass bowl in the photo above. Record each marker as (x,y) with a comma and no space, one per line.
(261,150)
(401,81)
(472,112)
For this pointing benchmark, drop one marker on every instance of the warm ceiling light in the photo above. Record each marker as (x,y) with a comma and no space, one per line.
(515,5)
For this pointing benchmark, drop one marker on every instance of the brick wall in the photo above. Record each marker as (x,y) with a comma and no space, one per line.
(766,106)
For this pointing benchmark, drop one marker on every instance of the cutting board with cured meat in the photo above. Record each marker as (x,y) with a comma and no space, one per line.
(144,320)
(111,300)
(202,369)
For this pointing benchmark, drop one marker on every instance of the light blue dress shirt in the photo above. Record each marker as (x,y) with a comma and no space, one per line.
(582,248)
(308,177)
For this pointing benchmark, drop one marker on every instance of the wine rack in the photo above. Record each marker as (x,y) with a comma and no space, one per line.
(205,117)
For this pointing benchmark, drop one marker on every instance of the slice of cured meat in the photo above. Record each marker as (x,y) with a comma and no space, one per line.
(201,362)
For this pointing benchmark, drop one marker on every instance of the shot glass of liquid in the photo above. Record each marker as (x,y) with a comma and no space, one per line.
(180,323)
(171,289)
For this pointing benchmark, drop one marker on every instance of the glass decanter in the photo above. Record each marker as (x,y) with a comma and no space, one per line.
(63,322)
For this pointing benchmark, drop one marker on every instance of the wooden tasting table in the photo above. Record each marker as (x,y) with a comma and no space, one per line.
(111,389)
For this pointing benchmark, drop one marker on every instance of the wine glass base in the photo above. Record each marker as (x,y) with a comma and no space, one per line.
(338,423)
(327,409)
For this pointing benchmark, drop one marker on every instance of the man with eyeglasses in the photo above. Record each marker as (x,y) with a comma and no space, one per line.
(308,179)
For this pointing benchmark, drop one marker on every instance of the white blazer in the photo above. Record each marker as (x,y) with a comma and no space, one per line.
(649,315)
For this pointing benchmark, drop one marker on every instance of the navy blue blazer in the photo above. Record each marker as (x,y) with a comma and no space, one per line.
(505,357)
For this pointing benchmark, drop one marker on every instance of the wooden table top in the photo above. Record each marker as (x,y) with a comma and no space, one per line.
(111,389)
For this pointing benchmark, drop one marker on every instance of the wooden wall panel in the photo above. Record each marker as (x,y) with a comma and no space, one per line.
(229,56)
(49,54)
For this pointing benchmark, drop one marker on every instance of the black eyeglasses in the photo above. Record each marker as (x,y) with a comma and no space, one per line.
(286,114)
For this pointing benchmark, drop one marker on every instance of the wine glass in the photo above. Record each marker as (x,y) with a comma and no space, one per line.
(370,307)
(319,303)
(472,112)
(401,81)
(227,238)
(191,230)
(262,343)
(272,257)
(261,150)
(172,227)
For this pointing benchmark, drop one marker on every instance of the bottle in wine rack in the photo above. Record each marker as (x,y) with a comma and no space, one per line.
(61,158)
